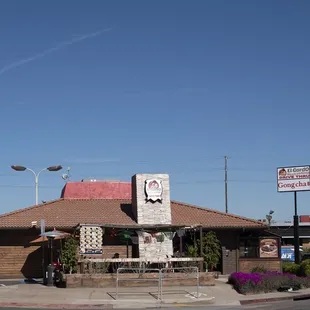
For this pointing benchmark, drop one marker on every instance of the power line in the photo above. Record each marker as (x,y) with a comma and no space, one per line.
(174,182)
(142,162)
(29,186)
(171,172)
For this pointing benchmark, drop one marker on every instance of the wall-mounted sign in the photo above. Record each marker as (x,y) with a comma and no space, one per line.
(293,179)
(153,189)
(288,254)
(268,248)
(91,240)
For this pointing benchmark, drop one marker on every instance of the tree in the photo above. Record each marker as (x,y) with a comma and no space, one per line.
(69,255)
(211,250)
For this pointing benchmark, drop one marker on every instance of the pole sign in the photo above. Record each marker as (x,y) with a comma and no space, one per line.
(42,225)
(288,254)
(293,179)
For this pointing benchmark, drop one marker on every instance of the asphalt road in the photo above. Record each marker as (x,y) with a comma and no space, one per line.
(287,305)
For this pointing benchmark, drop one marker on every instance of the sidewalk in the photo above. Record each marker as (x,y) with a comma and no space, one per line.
(39,296)
(36,295)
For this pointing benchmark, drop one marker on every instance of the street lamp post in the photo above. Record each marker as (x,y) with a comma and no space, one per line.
(36,176)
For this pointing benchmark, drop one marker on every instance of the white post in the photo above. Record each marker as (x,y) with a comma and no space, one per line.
(37,189)
(36,178)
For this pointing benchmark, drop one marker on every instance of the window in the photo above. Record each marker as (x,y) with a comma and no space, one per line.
(249,247)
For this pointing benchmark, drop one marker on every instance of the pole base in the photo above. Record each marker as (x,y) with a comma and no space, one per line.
(296,239)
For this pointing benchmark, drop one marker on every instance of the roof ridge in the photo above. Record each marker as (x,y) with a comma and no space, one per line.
(86,199)
(218,212)
(99,181)
(30,208)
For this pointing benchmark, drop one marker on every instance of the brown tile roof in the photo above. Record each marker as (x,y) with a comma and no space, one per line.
(67,213)
(187,214)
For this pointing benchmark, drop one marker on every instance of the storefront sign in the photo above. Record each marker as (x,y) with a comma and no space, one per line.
(288,254)
(153,189)
(293,179)
(268,248)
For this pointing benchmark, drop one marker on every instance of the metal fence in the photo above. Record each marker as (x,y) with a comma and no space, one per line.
(103,265)
(137,274)
(163,274)
(185,274)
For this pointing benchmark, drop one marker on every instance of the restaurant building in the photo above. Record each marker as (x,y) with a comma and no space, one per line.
(142,207)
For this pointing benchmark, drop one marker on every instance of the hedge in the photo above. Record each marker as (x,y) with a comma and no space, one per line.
(251,283)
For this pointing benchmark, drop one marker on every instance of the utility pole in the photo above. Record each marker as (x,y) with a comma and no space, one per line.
(226,198)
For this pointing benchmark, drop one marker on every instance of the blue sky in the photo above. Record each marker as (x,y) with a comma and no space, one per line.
(114,88)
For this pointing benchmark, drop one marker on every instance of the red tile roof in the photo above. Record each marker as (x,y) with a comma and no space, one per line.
(97,190)
(67,213)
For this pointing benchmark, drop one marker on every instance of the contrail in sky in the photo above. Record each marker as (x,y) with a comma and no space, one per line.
(51,50)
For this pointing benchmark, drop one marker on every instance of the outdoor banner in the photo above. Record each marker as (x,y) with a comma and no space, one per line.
(268,248)
(293,179)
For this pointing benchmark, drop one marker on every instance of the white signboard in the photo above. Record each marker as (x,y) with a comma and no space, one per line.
(293,179)
(91,240)
(153,189)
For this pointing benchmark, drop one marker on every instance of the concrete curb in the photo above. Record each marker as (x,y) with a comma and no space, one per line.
(55,306)
(274,299)
(124,304)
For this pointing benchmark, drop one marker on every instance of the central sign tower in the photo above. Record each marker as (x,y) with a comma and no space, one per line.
(151,206)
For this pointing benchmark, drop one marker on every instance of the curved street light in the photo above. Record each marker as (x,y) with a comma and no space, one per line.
(36,175)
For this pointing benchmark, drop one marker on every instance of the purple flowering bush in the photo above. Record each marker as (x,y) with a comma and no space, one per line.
(253,283)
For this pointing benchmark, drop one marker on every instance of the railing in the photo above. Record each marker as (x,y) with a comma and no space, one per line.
(134,277)
(103,265)
(159,276)
(184,272)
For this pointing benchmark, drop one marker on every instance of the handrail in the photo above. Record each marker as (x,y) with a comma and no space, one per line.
(141,260)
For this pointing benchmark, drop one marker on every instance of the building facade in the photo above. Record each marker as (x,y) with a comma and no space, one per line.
(116,207)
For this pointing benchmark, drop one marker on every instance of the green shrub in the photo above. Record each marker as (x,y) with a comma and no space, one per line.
(290,267)
(69,255)
(305,268)
(192,251)
(259,269)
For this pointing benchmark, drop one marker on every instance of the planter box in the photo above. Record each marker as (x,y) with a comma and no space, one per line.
(136,280)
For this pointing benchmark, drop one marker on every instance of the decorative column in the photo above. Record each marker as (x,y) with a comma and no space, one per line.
(151,205)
